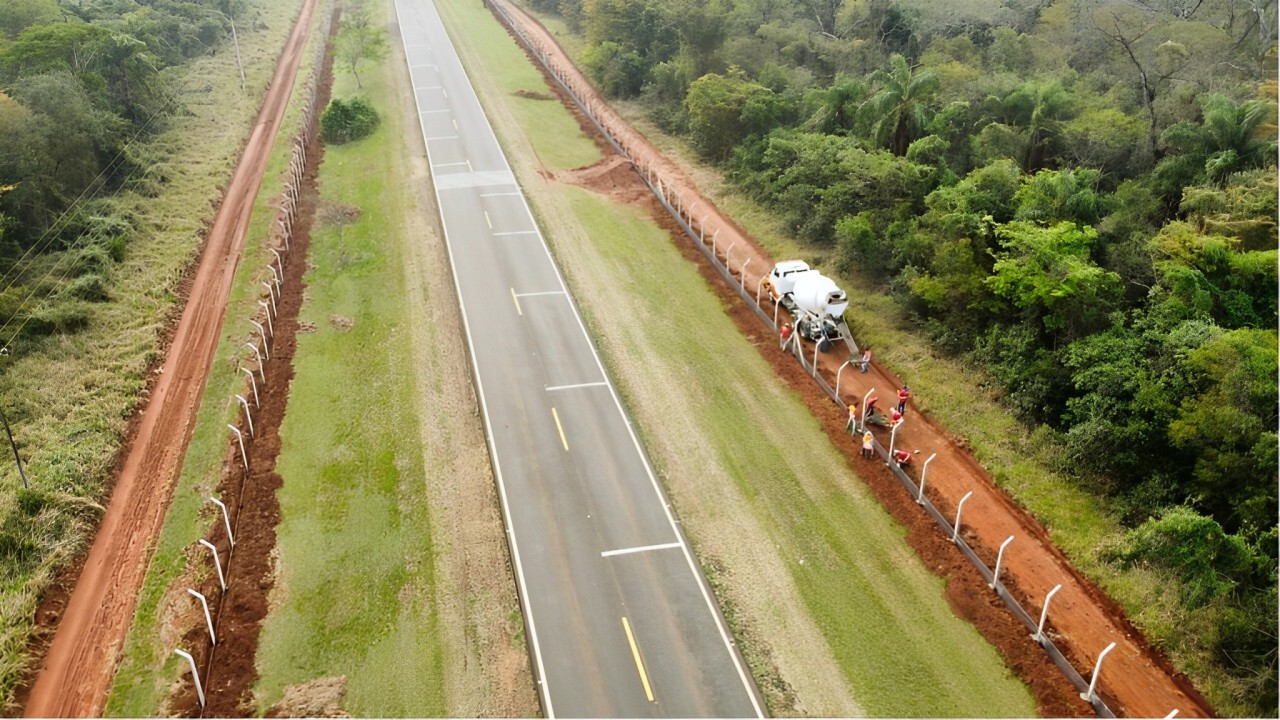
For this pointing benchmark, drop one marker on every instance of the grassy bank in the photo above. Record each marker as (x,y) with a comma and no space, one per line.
(148,667)
(830,606)
(69,396)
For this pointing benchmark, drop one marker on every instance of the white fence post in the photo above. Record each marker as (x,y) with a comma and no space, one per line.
(226,519)
(995,576)
(272,292)
(195,674)
(816,345)
(266,349)
(955,530)
(261,368)
(266,310)
(245,404)
(864,409)
(1088,696)
(208,619)
(893,439)
(742,277)
(222,580)
(253,382)
(244,456)
(924,472)
(839,374)
(728,254)
(1044,613)
(759,286)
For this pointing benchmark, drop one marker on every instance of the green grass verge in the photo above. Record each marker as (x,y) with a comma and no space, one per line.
(148,667)
(355,592)
(69,396)
(883,615)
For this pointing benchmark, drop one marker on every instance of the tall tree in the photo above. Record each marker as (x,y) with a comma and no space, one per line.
(901,104)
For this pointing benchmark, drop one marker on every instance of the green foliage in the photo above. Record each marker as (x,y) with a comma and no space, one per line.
(1209,562)
(1048,272)
(723,110)
(347,121)
(900,104)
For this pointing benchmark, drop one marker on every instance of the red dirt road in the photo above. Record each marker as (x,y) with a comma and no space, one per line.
(78,670)
(1136,680)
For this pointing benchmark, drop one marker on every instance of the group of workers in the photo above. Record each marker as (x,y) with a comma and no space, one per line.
(901,457)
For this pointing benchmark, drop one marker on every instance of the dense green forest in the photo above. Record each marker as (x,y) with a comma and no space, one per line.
(83,85)
(1078,195)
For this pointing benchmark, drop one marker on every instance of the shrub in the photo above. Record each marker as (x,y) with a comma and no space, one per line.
(344,122)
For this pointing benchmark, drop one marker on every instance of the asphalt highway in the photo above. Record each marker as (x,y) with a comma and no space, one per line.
(619,620)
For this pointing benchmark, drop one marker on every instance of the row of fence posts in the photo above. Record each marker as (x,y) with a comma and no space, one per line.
(672,196)
(259,344)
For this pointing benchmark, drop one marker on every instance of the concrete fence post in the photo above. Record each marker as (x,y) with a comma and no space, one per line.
(245,404)
(226,519)
(208,619)
(272,292)
(217,564)
(995,576)
(864,409)
(267,311)
(253,382)
(839,374)
(1093,683)
(924,473)
(1044,614)
(262,332)
(955,530)
(244,456)
(195,674)
(258,355)
(742,277)
(759,287)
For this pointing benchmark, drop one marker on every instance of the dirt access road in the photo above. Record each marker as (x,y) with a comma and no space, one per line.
(1136,680)
(78,670)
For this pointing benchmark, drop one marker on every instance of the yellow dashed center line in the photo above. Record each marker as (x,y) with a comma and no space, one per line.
(635,653)
(560,427)
(516,300)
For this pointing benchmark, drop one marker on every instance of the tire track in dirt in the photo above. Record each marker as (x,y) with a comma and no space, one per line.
(77,672)
(1138,680)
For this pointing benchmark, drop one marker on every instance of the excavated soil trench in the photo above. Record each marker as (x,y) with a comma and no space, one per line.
(228,669)
(1140,682)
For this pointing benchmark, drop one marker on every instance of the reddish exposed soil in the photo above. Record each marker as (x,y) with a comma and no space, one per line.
(1137,680)
(78,670)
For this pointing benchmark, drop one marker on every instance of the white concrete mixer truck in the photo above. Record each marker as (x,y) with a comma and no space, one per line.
(816,304)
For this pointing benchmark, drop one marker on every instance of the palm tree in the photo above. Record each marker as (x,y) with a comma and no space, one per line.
(1236,136)
(837,106)
(899,105)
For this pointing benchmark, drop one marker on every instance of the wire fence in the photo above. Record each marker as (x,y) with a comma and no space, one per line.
(664,188)
(259,342)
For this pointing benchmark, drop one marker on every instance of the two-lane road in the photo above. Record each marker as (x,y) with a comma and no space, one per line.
(620,621)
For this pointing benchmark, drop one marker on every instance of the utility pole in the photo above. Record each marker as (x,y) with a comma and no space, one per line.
(4,352)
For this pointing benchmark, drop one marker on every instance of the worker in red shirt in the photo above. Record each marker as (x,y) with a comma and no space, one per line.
(786,335)
(896,417)
(903,395)
(902,457)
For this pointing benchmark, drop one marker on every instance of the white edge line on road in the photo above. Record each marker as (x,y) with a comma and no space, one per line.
(550,388)
(648,468)
(536,294)
(643,548)
(488,431)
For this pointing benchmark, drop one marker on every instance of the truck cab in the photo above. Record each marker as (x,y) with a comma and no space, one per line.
(782,279)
